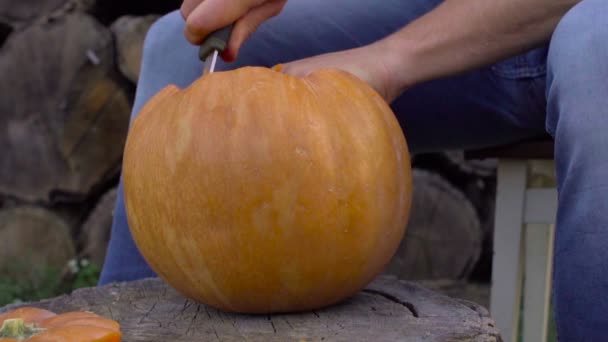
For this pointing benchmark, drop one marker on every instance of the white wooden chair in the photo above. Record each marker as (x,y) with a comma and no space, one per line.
(526,206)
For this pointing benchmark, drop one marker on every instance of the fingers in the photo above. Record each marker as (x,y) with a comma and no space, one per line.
(205,16)
(188,6)
(211,15)
(249,23)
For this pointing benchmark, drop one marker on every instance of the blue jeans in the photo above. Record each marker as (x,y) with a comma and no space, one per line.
(560,89)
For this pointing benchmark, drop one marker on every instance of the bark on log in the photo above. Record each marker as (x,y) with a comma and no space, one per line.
(5,31)
(387,310)
(443,238)
(476,167)
(21,13)
(476,178)
(95,232)
(32,239)
(64,114)
(107,11)
(129,32)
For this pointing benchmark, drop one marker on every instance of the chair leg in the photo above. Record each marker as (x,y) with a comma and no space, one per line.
(507,261)
(537,282)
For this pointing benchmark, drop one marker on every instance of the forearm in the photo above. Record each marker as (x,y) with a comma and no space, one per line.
(460,35)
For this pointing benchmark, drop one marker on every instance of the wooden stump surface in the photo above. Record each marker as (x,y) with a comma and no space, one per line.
(387,310)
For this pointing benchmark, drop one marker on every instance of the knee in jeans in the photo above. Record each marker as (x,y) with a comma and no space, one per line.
(581,35)
(577,53)
(163,32)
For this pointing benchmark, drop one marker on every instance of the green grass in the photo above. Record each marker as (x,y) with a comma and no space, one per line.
(25,283)
(552,332)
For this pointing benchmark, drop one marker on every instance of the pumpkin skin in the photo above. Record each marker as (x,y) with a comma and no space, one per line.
(77,333)
(81,318)
(39,325)
(254,191)
(28,314)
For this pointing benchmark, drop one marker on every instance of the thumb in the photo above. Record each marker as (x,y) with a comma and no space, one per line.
(211,15)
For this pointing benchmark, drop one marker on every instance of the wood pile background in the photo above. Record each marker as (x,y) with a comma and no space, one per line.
(69,69)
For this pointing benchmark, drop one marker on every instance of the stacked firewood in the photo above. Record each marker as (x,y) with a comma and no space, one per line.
(69,70)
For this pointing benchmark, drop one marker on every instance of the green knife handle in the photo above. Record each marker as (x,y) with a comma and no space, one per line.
(217,40)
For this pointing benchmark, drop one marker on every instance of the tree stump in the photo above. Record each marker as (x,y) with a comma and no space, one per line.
(64,113)
(387,310)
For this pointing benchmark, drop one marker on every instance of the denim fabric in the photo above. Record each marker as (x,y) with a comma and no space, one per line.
(560,89)
(577,117)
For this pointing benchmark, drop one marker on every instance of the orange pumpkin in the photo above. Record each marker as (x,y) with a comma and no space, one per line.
(28,315)
(254,191)
(39,325)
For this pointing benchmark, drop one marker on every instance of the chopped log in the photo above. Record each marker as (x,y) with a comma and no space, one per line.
(129,32)
(19,13)
(107,11)
(387,310)
(474,292)
(32,240)
(477,167)
(64,114)
(476,178)
(5,31)
(443,238)
(95,232)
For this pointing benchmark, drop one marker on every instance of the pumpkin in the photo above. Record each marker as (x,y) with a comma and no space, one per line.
(254,191)
(39,325)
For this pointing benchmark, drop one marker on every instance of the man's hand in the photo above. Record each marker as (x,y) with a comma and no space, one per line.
(367,63)
(205,16)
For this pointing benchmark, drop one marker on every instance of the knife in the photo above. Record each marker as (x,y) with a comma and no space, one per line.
(213,45)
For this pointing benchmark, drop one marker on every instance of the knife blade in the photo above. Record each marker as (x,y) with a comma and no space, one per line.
(209,64)
(211,48)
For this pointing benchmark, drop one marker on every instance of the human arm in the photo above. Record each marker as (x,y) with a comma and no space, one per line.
(456,36)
